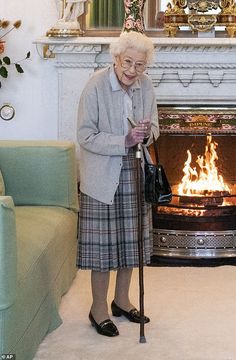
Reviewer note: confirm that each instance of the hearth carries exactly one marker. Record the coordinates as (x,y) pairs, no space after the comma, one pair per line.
(197,147)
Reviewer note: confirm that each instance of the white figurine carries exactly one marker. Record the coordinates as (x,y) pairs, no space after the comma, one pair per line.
(68,23)
(73,9)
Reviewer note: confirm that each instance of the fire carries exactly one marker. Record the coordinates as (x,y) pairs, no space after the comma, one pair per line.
(207,180)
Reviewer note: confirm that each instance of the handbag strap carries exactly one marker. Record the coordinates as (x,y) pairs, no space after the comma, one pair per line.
(156,150)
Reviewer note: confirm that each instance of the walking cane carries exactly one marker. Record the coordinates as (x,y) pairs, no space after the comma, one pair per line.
(142,338)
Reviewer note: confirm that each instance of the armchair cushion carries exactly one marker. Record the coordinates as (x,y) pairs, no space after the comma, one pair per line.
(45,253)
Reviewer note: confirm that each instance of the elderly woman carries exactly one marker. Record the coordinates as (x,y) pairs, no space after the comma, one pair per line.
(108,227)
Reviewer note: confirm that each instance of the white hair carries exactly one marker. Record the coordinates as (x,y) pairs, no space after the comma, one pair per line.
(133,40)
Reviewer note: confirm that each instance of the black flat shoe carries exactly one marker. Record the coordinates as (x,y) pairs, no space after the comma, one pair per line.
(132,315)
(106,327)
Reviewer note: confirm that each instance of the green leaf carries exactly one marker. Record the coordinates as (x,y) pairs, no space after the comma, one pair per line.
(19,68)
(6,60)
(0,62)
(3,72)
(28,55)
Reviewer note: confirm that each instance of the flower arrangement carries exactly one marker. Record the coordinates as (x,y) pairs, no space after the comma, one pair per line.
(5,61)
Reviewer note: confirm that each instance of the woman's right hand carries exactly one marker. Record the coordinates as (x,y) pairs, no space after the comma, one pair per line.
(135,136)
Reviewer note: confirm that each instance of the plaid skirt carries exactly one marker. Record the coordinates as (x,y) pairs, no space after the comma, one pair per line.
(108,234)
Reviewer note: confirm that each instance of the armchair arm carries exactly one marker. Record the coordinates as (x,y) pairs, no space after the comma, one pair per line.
(8,261)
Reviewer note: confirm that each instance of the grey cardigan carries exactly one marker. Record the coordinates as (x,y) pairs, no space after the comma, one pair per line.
(101,131)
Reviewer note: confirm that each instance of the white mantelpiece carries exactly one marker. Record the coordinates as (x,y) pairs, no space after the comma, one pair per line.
(185,71)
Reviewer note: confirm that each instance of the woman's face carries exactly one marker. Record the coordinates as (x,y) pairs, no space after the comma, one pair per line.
(129,66)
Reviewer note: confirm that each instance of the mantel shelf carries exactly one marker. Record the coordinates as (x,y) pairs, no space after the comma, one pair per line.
(168,41)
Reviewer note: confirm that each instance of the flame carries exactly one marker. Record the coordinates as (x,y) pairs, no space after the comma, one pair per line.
(205,181)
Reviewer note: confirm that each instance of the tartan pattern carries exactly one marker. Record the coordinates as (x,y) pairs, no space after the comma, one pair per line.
(108,234)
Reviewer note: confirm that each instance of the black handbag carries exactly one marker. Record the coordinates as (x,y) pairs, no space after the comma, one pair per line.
(157,189)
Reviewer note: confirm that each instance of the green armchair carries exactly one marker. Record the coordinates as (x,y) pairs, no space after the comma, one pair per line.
(38,240)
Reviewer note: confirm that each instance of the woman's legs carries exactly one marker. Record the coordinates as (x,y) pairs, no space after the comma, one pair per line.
(100,283)
(123,280)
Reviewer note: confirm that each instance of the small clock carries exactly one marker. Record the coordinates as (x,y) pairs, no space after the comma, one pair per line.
(7,112)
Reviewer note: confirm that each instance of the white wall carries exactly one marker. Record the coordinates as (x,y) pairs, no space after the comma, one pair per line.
(34,93)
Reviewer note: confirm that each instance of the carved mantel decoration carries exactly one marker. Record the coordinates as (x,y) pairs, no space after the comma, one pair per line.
(198,15)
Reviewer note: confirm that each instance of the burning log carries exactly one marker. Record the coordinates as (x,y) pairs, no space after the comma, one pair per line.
(205,198)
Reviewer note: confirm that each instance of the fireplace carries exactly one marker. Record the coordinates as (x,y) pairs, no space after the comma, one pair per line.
(197,142)
(191,71)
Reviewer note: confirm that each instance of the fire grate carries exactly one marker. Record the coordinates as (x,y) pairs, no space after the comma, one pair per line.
(190,244)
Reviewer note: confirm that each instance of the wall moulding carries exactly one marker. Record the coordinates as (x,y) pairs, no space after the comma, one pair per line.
(83,65)
(71,49)
(196,48)
(173,65)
